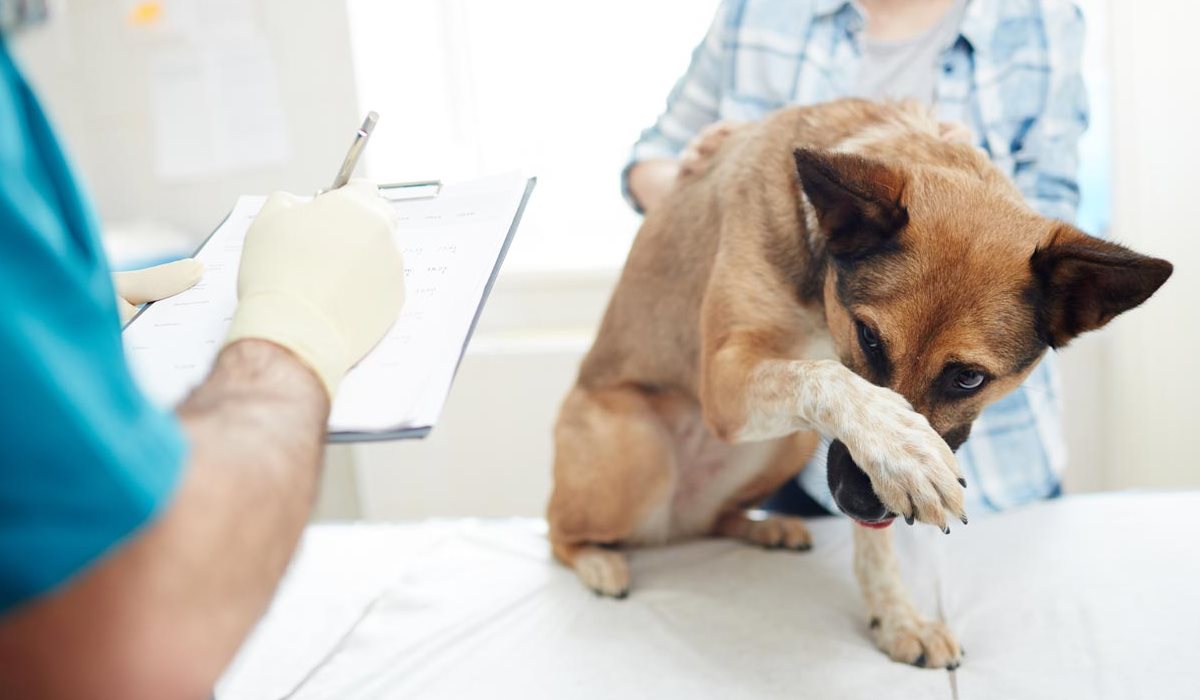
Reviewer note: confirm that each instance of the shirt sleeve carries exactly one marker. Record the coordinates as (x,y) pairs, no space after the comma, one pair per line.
(692,104)
(1047,167)
(85,460)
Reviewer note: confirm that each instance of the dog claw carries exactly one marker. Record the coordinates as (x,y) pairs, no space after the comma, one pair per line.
(963,518)
(963,482)
(909,519)
(945,529)
(919,662)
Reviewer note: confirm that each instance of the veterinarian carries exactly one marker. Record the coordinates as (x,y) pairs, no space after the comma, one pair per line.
(137,547)
(1008,72)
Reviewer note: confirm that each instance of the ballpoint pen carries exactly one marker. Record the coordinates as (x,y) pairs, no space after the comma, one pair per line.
(356,149)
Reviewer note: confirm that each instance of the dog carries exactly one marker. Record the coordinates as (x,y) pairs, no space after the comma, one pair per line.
(854,269)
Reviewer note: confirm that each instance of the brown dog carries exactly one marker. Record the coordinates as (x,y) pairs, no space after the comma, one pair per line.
(845,269)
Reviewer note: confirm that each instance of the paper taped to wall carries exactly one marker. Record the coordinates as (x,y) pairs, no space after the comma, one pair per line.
(453,247)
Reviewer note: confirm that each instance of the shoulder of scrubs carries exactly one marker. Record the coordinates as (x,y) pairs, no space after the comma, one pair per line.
(84,458)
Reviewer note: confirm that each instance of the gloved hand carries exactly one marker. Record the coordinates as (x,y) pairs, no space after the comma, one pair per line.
(322,278)
(138,287)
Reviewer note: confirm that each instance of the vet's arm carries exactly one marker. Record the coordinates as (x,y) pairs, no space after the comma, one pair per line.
(163,614)
(691,106)
(1047,166)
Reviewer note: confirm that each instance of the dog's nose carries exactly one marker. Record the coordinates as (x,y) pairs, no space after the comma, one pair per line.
(851,488)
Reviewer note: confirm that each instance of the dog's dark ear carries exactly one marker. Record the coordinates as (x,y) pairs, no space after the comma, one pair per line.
(1082,283)
(857,201)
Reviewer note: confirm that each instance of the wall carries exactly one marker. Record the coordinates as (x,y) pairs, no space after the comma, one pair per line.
(1151,437)
(92,68)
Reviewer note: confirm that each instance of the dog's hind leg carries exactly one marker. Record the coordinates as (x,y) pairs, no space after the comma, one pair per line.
(602,569)
(614,472)
(770,530)
(898,629)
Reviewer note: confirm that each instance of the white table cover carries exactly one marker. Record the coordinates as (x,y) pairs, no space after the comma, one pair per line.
(1083,597)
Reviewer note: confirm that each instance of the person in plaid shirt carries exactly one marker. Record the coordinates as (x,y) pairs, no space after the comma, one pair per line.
(1007,70)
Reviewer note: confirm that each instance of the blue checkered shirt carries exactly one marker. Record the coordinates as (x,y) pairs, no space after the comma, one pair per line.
(1012,75)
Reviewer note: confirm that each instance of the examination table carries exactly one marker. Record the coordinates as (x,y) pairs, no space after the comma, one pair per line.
(1082,597)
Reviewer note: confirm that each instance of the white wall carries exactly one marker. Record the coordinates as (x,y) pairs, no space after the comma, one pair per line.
(1152,433)
(92,68)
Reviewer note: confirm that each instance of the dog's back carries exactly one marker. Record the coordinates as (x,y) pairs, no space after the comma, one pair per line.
(650,334)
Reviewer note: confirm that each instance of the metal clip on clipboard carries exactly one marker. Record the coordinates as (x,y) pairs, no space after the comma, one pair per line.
(417,189)
(393,192)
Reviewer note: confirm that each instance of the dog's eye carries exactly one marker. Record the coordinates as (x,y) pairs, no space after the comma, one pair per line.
(868,336)
(969,380)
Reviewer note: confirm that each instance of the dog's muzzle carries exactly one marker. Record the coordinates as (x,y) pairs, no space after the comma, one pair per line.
(851,489)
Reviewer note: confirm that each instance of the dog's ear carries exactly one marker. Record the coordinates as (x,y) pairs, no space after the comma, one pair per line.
(1082,283)
(857,201)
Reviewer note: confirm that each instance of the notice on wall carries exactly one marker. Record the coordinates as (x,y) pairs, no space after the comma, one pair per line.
(215,108)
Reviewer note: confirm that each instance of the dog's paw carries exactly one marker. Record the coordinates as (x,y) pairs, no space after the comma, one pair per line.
(911,468)
(770,530)
(605,571)
(911,639)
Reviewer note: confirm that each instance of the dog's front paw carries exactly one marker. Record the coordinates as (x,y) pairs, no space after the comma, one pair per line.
(911,639)
(911,469)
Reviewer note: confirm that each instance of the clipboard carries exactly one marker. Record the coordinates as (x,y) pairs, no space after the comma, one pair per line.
(397,192)
(419,433)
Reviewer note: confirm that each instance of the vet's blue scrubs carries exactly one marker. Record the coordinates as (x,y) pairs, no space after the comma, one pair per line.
(85,460)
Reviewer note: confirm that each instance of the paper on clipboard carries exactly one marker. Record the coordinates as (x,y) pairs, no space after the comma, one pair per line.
(453,246)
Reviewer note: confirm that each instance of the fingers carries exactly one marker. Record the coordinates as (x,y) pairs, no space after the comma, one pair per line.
(126,310)
(278,201)
(138,287)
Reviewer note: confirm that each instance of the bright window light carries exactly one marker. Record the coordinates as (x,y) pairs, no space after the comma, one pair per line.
(556,89)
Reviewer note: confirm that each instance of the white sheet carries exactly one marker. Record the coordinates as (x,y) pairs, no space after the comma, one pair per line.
(1084,597)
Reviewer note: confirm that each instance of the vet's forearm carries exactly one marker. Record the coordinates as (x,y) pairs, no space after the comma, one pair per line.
(164,614)
(650,181)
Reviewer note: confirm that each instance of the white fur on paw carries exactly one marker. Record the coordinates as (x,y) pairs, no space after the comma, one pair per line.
(910,639)
(777,532)
(912,469)
(604,571)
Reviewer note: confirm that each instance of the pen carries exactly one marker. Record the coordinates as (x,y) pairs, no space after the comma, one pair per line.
(356,149)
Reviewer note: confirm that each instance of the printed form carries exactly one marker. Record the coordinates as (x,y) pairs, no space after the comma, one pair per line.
(453,246)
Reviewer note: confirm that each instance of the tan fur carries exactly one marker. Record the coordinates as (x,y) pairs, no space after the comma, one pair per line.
(725,349)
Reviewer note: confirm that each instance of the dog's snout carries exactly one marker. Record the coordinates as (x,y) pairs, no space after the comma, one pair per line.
(957,435)
(851,487)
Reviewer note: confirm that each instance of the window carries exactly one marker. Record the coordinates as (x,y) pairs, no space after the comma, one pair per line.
(557,89)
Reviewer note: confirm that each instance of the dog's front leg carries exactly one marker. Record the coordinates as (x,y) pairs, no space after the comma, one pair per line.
(913,472)
(896,626)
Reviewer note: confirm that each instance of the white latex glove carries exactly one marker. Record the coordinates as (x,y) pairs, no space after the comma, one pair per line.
(323,278)
(138,287)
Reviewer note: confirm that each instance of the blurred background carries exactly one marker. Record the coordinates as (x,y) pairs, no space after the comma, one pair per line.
(172,109)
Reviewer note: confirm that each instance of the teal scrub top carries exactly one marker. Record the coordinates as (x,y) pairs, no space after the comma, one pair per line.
(85,459)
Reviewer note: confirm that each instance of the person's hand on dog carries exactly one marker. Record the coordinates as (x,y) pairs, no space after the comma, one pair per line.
(697,156)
